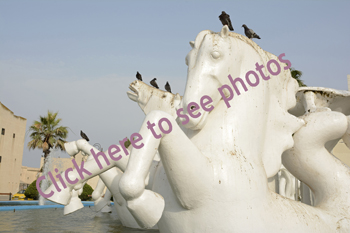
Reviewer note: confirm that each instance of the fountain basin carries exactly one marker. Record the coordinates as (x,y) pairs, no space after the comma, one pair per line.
(27,205)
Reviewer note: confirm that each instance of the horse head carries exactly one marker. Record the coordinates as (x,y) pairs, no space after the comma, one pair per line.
(257,113)
(150,98)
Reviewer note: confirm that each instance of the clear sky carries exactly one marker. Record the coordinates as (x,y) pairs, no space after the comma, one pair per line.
(79,57)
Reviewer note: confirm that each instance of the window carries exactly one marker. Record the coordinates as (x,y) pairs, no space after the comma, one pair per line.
(14,135)
(3,131)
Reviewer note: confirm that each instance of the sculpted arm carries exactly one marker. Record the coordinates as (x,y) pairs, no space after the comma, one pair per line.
(178,155)
(85,171)
(177,151)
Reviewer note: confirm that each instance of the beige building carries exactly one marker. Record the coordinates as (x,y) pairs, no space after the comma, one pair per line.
(27,176)
(12,135)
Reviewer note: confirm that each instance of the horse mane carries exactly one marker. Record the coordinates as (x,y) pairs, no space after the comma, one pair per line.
(266,56)
(282,91)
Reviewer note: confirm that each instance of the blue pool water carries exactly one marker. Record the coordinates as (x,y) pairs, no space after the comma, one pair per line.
(28,205)
(53,220)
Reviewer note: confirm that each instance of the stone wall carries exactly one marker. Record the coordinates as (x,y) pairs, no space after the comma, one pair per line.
(28,175)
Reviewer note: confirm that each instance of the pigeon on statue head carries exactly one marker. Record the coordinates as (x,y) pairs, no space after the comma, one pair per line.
(249,32)
(83,135)
(167,87)
(154,83)
(138,76)
(225,20)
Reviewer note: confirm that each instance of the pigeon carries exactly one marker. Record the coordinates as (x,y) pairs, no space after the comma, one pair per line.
(249,32)
(153,83)
(225,20)
(167,87)
(84,136)
(138,76)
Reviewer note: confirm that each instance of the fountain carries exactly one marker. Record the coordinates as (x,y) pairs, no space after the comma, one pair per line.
(45,183)
(213,170)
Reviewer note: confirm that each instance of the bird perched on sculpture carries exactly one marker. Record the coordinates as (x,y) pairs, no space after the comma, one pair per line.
(249,32)
(167,87)
(138,76)
(83,135)
(154,83)
(225,20)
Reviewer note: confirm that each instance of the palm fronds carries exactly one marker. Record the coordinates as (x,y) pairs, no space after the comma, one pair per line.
(47,133)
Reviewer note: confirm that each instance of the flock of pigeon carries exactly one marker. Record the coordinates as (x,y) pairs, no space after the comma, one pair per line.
(154,83)
(225,20)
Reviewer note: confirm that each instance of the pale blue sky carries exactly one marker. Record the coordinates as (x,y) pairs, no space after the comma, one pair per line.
(78,57)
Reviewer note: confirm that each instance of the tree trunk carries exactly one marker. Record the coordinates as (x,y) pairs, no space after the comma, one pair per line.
(46,153)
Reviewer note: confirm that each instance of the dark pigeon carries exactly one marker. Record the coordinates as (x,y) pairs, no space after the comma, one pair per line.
(225,20)
(84,136)
(249,32)
(153,83)
(138,76)
(167,87)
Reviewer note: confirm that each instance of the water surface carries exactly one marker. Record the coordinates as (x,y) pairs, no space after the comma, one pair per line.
(53,220)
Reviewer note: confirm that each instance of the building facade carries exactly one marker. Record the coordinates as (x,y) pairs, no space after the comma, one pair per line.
(27,176)
(12,134)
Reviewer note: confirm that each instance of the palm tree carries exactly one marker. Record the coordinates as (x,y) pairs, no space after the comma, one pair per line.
(47,134)
(296,74)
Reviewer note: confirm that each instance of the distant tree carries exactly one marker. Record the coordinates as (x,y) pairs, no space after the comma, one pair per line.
(31,191)
(47,134)
(127,143)
(296,74)
(87,191)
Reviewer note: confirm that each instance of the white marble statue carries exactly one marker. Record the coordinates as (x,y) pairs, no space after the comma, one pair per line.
(313,99)
(214,169)
(102,200)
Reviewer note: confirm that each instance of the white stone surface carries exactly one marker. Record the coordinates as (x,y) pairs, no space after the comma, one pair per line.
(287,184)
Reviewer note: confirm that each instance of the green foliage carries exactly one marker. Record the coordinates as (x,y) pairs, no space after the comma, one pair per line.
(127,143)
(87,190)
(47,133)
(296,74)
(31,191)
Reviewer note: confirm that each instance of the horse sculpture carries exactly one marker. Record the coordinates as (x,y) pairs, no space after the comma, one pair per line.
(213,171)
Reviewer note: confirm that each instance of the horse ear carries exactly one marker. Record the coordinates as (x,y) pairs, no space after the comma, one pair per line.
(224,31)
(192,44)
